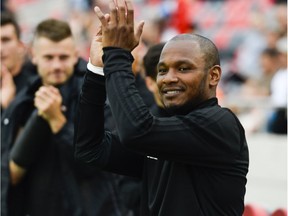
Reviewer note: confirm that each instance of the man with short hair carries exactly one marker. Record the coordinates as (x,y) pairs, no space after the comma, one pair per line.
(194,160)
(37,137)
(15,70)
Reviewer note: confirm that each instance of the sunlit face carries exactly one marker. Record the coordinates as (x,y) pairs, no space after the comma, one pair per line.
(182,78)
(11,47)
(55,60)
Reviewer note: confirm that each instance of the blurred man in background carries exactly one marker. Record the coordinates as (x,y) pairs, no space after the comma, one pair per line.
(15,70)
(37,136)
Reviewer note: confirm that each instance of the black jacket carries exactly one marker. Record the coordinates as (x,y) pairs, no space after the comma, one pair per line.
(54,183)
(191,163)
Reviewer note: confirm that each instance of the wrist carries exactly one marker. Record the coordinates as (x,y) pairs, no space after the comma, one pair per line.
(95,69)
(56,124)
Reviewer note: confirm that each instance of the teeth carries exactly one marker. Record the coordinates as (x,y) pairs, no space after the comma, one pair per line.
(172,92)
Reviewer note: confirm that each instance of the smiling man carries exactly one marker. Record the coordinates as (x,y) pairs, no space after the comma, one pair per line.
(193,161)
(189,75)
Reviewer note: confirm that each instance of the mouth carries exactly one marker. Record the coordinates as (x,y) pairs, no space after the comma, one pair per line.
(57,74)
(170,93)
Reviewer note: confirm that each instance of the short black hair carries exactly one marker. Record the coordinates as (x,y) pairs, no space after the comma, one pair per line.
(208,48)
(151,59)
(7,18)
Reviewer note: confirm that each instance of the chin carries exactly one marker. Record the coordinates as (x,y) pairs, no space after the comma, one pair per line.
(182,109)
(58,82)
(173,108)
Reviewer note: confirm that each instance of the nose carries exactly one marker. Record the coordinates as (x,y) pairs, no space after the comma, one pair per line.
(56,63)
(170,77)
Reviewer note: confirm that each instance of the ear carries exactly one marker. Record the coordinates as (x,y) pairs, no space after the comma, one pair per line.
(149,83)
(214,75)
(76,57)
(33,56)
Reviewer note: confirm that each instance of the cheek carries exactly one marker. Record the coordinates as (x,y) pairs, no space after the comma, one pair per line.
(69,67)
(159,80)
(41,71)
(10,48)
(43,67)
(69,63)
(194,87)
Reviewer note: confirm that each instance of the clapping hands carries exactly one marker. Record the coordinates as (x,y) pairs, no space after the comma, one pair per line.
(117,28)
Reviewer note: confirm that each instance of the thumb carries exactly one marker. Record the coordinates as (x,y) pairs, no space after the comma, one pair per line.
(139,30)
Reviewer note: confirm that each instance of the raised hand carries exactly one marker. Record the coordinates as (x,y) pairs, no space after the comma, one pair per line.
(118,30)
(96,51)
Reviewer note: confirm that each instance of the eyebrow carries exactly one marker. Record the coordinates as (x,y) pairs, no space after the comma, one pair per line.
(177,63)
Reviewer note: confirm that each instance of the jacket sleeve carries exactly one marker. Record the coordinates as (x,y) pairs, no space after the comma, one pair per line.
(30,143)
(92,144)
(206,136)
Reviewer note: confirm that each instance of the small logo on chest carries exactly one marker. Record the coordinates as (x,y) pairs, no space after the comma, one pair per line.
(153,158)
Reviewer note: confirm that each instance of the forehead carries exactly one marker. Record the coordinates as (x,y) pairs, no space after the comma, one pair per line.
(46,46)
(7,30)
(181,50)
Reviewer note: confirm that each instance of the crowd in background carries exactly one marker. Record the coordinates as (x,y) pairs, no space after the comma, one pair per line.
(251,37)
(246,33)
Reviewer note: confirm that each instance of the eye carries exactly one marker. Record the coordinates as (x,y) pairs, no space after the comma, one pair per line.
(183,69)
(48,57)
(64,57)
(162,71)
(6,39)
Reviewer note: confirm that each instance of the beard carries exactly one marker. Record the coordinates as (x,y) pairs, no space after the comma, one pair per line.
(191,104)
(187,107)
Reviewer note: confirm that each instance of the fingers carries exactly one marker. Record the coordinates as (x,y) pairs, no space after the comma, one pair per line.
(99,32)
(113,13)
(118,28)
(130,12)
(98,36)
(47,93)
(100,16)
(139,30)
(121,12)
(47,100)
(47,90)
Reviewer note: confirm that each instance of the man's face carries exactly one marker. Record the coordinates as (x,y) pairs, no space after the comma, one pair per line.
(182,78)
(11,47)
(54,60)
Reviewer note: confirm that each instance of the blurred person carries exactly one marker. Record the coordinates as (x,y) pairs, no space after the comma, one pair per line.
(37,137)
(138,54)
(150,62)
(249,51)
(194,161)
(253,102)
(265,30)
(278,120)
(258,91)
(15,70)
(269,62)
